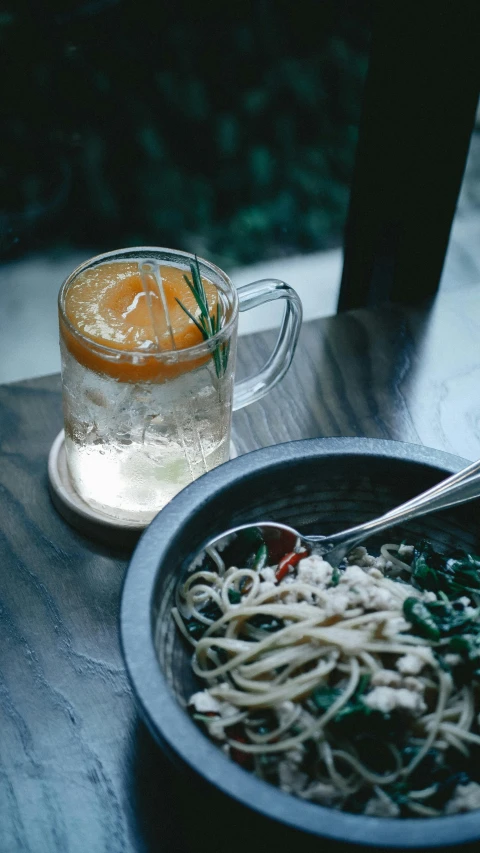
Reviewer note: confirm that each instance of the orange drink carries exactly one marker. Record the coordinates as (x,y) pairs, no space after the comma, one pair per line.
(109,306)
(148,375)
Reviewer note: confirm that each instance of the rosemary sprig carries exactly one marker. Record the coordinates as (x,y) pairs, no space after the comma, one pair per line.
(207,324)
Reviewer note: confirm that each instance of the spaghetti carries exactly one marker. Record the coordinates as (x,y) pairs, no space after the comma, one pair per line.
(355,688)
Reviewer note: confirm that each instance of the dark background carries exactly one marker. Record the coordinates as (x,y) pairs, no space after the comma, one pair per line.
(225,128)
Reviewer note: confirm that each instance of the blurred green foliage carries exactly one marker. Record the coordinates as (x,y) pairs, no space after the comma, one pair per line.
(223,128)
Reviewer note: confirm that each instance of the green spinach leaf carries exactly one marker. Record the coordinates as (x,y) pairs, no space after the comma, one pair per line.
(234,596)
(423,623)
(323,697)
(435,620)
(455,574)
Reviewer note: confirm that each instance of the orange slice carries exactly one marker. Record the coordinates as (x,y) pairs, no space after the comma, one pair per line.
(109,307)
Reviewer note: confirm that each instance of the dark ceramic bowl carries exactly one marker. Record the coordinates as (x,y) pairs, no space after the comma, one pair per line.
(319,485)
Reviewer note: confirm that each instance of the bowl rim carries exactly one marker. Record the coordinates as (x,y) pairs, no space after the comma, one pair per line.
(171,726)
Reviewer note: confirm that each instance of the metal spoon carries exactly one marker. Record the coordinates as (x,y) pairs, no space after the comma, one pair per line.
(457,489)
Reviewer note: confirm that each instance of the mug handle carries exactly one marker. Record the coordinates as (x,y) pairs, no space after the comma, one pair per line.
(250,296)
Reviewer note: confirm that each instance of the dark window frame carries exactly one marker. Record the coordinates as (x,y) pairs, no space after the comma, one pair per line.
(418,113)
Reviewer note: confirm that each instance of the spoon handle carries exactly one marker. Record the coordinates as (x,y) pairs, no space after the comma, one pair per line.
(459,488)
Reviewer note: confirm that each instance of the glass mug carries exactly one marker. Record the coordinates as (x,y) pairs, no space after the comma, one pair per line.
(143,420)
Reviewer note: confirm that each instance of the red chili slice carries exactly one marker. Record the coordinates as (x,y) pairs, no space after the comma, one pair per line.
(244,759)
(288,560)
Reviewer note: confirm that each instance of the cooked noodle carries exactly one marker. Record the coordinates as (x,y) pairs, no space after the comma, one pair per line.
(317,681)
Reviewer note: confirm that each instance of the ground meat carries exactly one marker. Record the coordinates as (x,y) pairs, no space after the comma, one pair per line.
(412,663)
(387,699)
(382,807)
(314,570)
(466,798)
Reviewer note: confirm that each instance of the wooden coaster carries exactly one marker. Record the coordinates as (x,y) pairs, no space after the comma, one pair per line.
(88,520)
